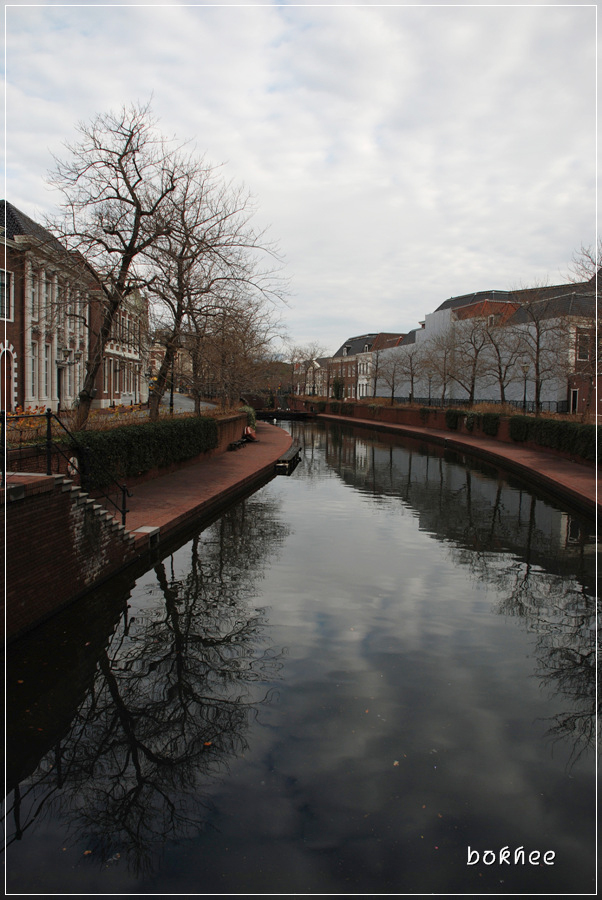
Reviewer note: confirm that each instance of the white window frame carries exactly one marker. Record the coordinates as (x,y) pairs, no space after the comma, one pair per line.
(47,367)
(34,369)
(11,296)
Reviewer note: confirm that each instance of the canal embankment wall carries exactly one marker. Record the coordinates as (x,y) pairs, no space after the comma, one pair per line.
(573,481)
(61,543)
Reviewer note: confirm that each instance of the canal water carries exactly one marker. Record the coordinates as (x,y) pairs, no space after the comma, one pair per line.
(374,676)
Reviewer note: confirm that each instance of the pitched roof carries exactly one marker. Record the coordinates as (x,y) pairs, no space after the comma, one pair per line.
(570,304)
(476,297)
(501,310)
(410,337)
(386,339)
(17,223)
(355,345)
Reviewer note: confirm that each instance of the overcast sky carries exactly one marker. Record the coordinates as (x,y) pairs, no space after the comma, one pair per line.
(400,154)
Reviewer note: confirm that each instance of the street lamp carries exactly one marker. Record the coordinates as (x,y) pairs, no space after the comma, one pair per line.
(525,368)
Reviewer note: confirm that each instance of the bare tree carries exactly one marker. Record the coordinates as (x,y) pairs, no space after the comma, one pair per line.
(116,184)
(375,361)
(392,371)
(500,357)
(439,354)
(302,358)
(411,357)
(586,263)
(208,268)
(543,329)
(470,339)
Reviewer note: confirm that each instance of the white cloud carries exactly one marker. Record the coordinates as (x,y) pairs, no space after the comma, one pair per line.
(401,154)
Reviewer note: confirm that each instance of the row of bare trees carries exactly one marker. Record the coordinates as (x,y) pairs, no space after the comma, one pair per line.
(482,355)
(146,214)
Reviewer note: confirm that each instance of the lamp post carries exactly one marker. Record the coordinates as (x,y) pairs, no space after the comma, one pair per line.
(430,380)
(525,368)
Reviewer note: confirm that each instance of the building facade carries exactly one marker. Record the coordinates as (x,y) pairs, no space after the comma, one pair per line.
(45,310)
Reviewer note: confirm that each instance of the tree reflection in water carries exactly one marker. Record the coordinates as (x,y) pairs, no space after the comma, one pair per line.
(505,537)
(173,695)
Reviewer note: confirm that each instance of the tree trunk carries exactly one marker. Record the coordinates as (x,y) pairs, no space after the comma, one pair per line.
(86,395)
(154,401)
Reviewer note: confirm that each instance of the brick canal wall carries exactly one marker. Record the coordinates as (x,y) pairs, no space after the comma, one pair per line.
(62,542)
(59,544)
(431,419)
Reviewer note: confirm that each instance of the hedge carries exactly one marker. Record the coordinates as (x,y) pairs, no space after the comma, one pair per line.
(570,437)
(451,418)
(132,449)
(490,423)
(250,414)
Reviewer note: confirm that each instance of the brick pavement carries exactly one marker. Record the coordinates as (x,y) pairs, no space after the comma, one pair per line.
(171,501)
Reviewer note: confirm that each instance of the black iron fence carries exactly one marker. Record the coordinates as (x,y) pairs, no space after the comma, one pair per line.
(46,433)
(554,406)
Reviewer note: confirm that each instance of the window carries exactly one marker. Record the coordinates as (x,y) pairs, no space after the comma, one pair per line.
(34,369)
(33,295)
(6,286)
(583,346)
(47,349)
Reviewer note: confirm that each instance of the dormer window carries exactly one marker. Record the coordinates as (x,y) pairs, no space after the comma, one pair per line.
(366,348)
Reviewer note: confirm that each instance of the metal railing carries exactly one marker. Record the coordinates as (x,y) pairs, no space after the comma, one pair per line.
(556,406)
(76,464)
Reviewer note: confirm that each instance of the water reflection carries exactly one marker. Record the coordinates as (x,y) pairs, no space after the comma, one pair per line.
(539,558)
(170,704)
(410,712)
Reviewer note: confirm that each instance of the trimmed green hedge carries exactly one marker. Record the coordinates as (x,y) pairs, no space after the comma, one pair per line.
(570,437)
(490,423)
(347,409)
(451,418)
(321,406)
(132,449)
(335,408)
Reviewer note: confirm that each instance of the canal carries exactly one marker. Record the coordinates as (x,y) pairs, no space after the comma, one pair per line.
(373,676)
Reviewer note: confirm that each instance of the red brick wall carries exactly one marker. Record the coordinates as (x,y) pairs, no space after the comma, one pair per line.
(77,548)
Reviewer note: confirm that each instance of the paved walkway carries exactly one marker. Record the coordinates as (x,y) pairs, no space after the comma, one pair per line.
(575,482)
(166,504)
(171,501)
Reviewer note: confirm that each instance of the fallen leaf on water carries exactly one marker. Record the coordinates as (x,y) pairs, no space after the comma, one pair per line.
(87,852)
(208,743)
(396,762)
(20,681)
